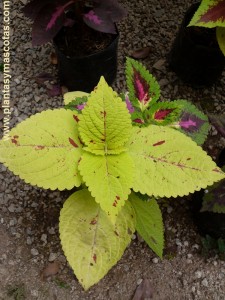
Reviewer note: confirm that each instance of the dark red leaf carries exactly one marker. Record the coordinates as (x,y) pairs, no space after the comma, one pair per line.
(215,13)
(161,114)
(47,24)
(141,87)
(103,16)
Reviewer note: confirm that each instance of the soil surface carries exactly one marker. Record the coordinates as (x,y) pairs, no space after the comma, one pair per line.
(29,239)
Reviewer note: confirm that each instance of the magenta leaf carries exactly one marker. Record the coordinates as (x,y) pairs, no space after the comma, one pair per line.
(81,106)
(161,114)
(100,21)
(138,121)
(190,122)
(104,15)
(57,13)
(92,17)
(141,88)
(77,104)
(40,33)
(215,12)
(129,105)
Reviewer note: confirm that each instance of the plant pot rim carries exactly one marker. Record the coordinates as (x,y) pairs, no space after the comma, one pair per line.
(115,39)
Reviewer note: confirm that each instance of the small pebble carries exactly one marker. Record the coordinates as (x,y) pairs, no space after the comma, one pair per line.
(198,274)
(52,257)
(205,282)
(155,260)
(34,252)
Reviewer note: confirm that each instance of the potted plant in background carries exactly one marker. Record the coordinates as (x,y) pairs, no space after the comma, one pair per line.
(209,204)
(197,54)
(85,38)
(121,167)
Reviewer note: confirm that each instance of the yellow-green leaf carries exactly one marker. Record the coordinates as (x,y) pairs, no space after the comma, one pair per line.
(105,123)
(44,150)
(91,243)
(220,34)
(70,96)
(169,164)
(109,179)
(149,223)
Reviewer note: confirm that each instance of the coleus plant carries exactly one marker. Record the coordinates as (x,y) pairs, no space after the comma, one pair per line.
(121,171)
(214,196)
(49,16)
(210,14)
(142,100)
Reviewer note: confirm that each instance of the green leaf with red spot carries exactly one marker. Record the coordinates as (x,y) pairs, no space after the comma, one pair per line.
(105,123)
(42,153)
(191,121)
(109,179)
(210,13)
(143,89)
(149,222)
(91,243)
(168,163)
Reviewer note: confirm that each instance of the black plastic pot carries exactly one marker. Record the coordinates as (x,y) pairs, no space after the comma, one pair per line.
(208,223)
(83,73)
(195,55)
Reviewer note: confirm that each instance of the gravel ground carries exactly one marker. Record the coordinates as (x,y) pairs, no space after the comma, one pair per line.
(29,215)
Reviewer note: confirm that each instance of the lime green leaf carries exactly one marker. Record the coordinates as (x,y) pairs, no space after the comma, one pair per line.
(220,34)
(105,123)
(44,150)
(91,243)
(210,13)
(169,164)
(149,222)
(109,179)
(143,88)
(71,96)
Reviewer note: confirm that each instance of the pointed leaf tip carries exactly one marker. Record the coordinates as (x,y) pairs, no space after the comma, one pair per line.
(105,123)
(91,243)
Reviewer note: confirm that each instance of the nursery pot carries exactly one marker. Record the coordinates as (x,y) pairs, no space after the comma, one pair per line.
(195,55)
(208,223)
(82,73)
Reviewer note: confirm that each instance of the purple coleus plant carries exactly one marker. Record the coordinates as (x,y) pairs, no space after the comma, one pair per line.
(214,196)
(49,16)
(143,103)
(142,100)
